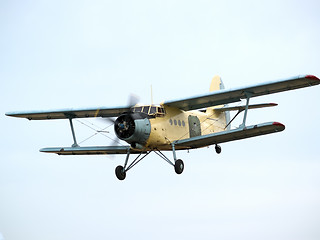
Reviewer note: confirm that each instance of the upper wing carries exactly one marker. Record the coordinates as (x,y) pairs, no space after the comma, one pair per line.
(211,99)
(234,95)
(70,113)
(230,135)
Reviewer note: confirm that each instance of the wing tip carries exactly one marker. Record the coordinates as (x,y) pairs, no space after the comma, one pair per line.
(10,114)
(312,77)
(279,125)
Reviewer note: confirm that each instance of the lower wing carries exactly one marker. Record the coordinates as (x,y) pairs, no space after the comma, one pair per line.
(230,135)
(194,142)
(98,150)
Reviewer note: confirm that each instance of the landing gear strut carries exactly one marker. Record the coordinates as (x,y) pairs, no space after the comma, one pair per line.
(122,170)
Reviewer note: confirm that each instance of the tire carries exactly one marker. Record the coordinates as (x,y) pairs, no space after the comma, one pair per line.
(121,175)
(218,149)
(179,166)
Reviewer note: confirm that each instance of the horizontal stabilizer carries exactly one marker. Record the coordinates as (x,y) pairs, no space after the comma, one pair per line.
(98,150)
(243,107)
(230,135)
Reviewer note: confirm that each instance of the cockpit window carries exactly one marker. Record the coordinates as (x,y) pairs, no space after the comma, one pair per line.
(137,109)
(151,111)
(160,110)
(146,109)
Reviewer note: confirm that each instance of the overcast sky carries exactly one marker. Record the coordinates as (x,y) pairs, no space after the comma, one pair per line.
(62,54)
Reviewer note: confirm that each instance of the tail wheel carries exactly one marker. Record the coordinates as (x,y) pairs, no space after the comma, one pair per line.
(218,149)
(120,173)
(179,166)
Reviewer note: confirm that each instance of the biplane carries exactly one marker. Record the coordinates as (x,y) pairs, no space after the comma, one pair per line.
(182,124)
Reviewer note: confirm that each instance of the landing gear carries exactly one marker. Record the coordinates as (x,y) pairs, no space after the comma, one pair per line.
(218,149)
(179,166)
(120,173)
(178,163)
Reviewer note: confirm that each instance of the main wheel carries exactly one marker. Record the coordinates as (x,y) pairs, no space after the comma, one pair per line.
(120,173)
(179,166)
(218,149)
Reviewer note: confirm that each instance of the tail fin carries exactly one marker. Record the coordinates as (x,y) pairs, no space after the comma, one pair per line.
(216,84)
(222,117)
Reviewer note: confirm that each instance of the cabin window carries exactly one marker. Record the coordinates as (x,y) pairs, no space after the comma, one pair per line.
(175,122)
(170,121)
(179,123)
(183,123)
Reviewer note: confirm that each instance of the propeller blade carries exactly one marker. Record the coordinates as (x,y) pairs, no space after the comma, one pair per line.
(133,100)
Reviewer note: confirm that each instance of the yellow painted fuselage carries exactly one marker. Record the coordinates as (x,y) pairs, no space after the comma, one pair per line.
(177,124)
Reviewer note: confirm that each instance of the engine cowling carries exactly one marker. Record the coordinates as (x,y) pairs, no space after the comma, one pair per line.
(133,128)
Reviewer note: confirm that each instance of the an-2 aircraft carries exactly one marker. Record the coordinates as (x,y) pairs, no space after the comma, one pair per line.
(182,124)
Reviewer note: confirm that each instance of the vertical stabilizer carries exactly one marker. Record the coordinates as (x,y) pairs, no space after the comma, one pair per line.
(216,84)
(222,117)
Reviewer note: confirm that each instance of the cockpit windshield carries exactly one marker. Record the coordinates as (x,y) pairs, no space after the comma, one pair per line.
(150,110)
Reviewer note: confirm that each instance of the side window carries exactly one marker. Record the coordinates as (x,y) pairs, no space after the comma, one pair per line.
(160,111)
(177,122)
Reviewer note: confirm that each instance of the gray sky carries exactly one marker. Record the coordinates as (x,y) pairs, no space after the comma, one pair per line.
(61,54)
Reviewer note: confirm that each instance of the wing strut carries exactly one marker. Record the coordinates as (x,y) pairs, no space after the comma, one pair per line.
(75,144)
(239,111)
(248,95)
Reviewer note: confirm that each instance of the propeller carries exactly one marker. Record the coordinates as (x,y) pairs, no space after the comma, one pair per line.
(124,124)
(133,100)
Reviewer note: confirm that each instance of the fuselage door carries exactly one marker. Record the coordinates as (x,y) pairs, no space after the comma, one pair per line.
(194,126)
